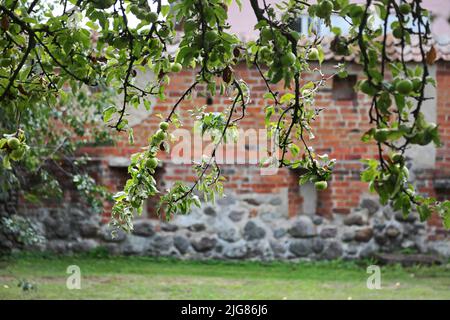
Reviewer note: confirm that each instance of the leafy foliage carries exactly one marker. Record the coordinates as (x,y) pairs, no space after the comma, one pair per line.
(48,59)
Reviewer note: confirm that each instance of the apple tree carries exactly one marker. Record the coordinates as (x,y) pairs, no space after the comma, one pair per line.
(49,57)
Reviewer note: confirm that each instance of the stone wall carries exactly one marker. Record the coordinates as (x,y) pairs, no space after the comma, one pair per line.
(245,227)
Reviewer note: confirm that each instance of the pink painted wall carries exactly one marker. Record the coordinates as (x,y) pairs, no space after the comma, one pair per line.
(242,21)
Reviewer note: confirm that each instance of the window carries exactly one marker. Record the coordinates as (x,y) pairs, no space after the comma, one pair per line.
(304,22)
(344,88)
(119,175)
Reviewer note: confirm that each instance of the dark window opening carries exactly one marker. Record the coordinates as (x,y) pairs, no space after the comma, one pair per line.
(119,176)
(344,88)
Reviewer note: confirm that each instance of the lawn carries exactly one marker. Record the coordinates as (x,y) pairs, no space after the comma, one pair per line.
(150,278)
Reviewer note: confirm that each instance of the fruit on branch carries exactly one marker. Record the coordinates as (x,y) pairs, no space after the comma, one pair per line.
(339,46)
(6,62)
(356,12)
(313,54)
(405,8)
(164,32)
(211,36)
(288,59)
(321,185)
(102,4)
(417,84)
(176,67)
(398,158)
(164,126)
(404,86)
(324,9)
(152,17)
(398,32)
(336,5)
(265,53)
(17,154)
(266,35)
(368,88)
(381,135)
(13,143)
(151,163)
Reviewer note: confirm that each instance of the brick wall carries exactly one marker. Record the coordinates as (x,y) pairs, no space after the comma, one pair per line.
(338,130)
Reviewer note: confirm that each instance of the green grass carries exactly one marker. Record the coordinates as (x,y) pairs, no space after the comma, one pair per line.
(150,278)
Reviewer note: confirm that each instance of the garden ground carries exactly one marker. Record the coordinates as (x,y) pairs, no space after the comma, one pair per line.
(105,277)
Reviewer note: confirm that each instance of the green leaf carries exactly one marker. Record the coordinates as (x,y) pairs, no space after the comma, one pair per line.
(108,112)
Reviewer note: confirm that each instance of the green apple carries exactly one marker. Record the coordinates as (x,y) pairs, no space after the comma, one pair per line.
(404,86)
(321,185)
(13,143)
(176,67)
(313,54)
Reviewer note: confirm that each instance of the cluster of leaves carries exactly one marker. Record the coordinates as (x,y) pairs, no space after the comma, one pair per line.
(46,53)
(20,229)
(47,111)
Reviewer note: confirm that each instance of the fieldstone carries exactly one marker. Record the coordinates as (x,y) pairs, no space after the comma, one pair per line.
(328,232)
(110,235)
(388,212)
(236,216)
(197,227)
(257,249)
(229,235)
(252,201)
(84,245)
(57,246)
(317,220)
(135,245)
(408,244)
(253,232)
(89,229)
(303,228)
(204,244)
(226,201)
(161,243)
(368,250)
(442,248)
(181,243)
(57,227)
(143,228)
(279,233)
(169,227)
(363,235)
(378,224)
(238,251)
(301,247)
(348,236)
(351,250)
(277,248)
(380,239)
(392,231)
(318,245)
(276,201)
(411,217)
(332,251)
(370,205)
(218,248)
(209,211)
(355,218)
(269,216)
